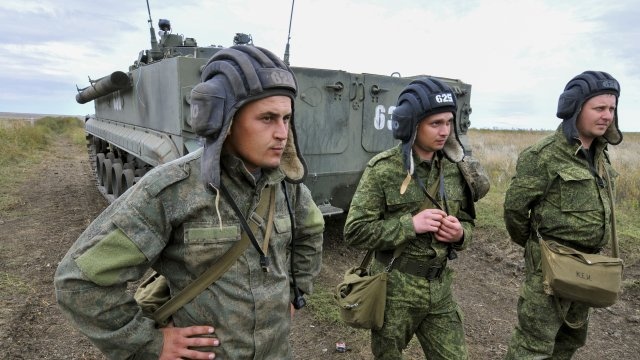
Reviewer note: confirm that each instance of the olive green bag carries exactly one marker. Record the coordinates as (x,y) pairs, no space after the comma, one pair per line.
(152,293)
(592,279)
(361,296)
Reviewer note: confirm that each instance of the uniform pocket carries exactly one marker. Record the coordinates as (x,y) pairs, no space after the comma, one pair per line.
(578,190)
(206,243)
(282,225)
(281,235)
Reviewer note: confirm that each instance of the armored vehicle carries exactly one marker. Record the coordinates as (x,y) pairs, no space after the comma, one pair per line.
(142,115)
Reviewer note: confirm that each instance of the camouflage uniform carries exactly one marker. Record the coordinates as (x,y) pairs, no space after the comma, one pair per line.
(554,191)
(380,218)
(169,222)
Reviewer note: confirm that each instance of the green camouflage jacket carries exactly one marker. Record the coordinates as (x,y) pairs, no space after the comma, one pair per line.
(380,217)
(169,222)
(575,209)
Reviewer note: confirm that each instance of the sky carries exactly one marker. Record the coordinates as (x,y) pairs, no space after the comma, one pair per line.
(517,55)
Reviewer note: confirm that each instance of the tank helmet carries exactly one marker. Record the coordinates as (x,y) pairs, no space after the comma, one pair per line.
(421,98)
(232,78)
(580,89)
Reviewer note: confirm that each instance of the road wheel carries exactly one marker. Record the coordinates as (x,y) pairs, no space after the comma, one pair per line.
(128,178)
(116,179)
(99,164)
(106,176)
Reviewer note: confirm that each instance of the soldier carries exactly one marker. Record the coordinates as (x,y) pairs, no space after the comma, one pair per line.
(560,192)
(416,198)
(178,221)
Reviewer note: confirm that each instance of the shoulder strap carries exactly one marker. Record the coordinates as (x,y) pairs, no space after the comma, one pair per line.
(615,250)
(221,266)
(438,184)
(563,315)
(369,255)
(264,259)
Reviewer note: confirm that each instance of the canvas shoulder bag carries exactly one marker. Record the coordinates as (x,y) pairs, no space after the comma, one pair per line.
(361,296)
(591,279)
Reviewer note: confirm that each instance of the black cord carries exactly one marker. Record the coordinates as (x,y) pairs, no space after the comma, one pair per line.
(298,300)
(264,259)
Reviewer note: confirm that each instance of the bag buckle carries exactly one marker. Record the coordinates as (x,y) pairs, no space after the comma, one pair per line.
(388,268)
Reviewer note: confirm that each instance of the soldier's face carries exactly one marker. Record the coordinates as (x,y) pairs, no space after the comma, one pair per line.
(432,133)
(259,132)
(595,117)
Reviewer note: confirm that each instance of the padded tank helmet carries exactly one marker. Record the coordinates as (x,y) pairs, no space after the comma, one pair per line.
(580,89)
(232,78)
(421,98)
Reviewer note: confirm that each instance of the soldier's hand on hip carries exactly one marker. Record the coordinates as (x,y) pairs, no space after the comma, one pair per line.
(177,341)
(428,220)
(450,230)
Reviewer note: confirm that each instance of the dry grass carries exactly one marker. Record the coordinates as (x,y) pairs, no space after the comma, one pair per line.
(624,158)
(498,151)
(23,143)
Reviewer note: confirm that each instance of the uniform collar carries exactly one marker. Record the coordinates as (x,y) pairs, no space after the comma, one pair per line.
(234,167)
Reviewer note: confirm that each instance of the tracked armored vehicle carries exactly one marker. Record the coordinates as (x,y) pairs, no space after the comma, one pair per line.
(142,115)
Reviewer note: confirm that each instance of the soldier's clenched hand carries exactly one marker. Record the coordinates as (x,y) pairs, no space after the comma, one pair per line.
(428,220)
(450,230)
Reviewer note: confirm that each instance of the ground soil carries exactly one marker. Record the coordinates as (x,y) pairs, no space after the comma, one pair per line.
(59,199)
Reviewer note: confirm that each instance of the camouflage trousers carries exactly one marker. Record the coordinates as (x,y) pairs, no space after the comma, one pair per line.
(424,308)
(541,333)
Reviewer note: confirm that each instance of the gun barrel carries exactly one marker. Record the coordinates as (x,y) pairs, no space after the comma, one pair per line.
(118,80)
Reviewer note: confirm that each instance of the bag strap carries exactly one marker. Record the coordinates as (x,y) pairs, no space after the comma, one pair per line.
(369,255)
(615,250)
(451,252)
(574,325)
(221,266)
(264,259)
(432,188)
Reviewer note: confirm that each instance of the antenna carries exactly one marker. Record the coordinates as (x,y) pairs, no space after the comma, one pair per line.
(286,50)
(154,40)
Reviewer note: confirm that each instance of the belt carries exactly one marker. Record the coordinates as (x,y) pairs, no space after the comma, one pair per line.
(430,270)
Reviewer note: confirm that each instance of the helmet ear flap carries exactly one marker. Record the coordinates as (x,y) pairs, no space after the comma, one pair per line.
(567,104)
(207,108)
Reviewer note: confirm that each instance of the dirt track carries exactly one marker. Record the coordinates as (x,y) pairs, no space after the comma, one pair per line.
(60,199)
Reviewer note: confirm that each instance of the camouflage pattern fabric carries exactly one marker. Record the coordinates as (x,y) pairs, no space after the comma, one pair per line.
(424,308)
(380,218)
(572,212)
(541,333)
(169,222)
